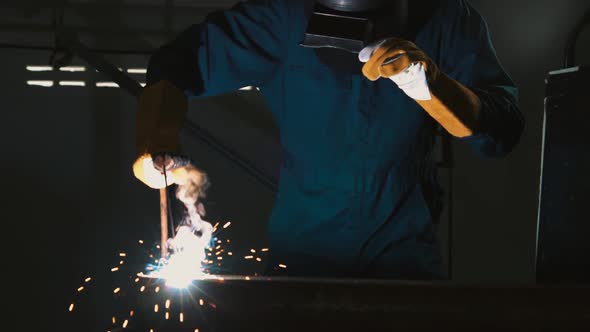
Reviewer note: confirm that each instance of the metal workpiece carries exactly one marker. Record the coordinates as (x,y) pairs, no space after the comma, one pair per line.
(238,303)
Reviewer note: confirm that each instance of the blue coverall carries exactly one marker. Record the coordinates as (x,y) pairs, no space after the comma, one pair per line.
(357,194)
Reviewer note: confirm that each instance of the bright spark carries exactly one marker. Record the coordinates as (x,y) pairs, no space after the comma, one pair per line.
(156,307)
(114,320)
(283,266)
(121,262)
(140,241)
(131,313)
(201,302)
(125,323)
(116,268)
(259,259)
(253,251)
(264,249)
(157,289)
(167,315)
(247,278)
(230,253)
(71,308)
(142,288)
(137,279)
(168,304)
(116,290)
(227,224)
(248,257)
(87,279)
(122,254)
(181,318)
(81,288)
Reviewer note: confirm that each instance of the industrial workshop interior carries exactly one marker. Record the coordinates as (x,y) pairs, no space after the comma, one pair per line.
(171,166)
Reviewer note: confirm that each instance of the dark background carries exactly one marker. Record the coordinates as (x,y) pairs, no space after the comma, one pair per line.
(71,201)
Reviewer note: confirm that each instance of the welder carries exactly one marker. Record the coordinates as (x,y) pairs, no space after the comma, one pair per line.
(358,195)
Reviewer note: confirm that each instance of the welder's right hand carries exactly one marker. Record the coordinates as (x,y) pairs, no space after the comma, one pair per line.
(161,114)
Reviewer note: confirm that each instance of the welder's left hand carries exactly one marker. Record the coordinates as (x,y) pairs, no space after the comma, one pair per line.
(454,106)
(402,62)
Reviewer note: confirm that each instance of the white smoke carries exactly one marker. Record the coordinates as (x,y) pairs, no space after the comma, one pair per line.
(194,235)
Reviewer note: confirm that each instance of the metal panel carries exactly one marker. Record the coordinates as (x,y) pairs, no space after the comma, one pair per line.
(563,221)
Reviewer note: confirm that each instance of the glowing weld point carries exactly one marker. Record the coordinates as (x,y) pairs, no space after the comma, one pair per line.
(219,258)
(137,279)
(248,257)
(87,279)
(252,251)
(157,289)
(121,262)
(81,288)
(218,253)
(122,254)
(227,224)
(264,249)
(158,246)
(230,253)
(156,307)
(167,315)
(71,308)
(140,241)
(218,247)
(114,320)
(201,302)
(125,323)
(181,318)
(116,290)
(168,304)
(142,288)
(116,268)
(283,266)
(259,259)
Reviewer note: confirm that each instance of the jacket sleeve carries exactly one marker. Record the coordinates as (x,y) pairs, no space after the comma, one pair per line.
(231,49)
(471,59)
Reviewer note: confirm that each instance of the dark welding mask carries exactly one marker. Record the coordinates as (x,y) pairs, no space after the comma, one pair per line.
(353,24)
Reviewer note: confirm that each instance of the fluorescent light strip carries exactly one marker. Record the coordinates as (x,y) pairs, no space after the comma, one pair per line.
(72,83)
(73,69)
(137,71)
(46,84)
(107,85)
(39,68)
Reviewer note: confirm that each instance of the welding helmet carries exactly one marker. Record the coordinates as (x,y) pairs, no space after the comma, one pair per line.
(354,5)
(353,24)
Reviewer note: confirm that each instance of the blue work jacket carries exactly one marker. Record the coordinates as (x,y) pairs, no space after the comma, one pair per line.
(357,195)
